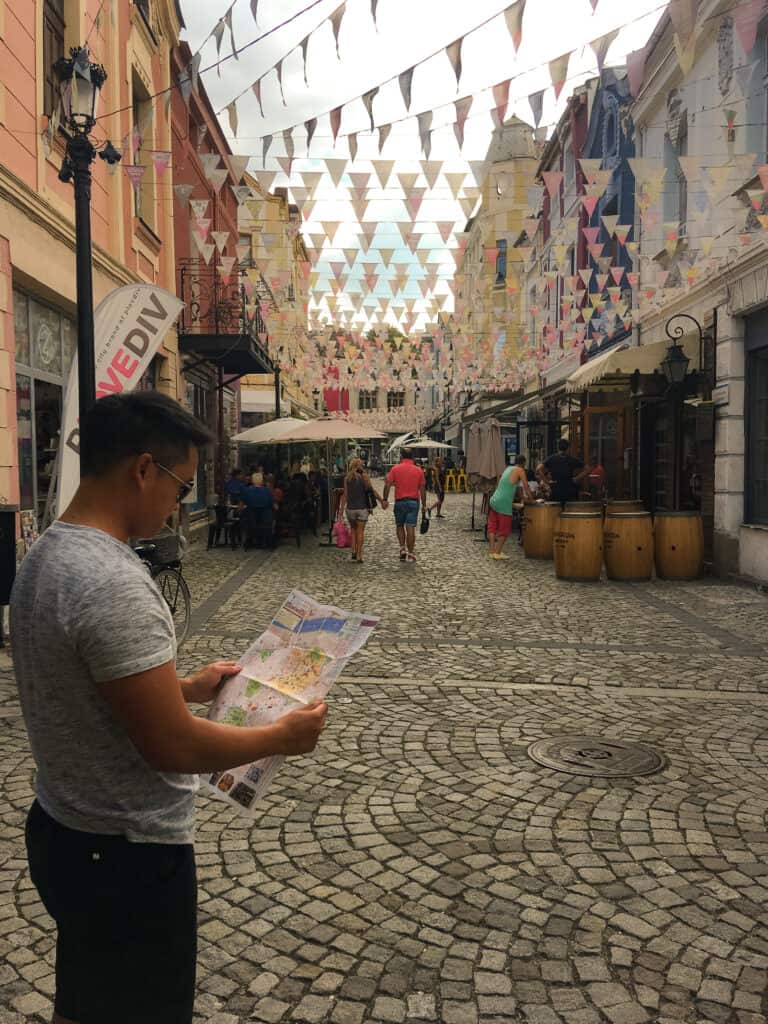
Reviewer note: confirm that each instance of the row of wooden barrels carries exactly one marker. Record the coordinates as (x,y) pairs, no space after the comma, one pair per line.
(582,535)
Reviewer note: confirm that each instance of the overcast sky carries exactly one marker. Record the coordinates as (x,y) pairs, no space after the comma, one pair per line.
(408,32)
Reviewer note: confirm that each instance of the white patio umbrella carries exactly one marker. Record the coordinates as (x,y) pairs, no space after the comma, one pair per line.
(268,433)
(426,442)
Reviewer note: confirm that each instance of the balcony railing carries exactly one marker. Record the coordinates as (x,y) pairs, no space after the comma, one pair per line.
(213,305)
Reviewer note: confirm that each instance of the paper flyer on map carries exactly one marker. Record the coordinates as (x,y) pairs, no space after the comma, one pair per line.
(295,661)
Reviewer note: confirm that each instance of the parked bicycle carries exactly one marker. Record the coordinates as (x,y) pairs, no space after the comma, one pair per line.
(162,556)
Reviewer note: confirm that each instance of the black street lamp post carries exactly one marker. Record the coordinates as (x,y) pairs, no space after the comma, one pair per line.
(80,83)
(675,367)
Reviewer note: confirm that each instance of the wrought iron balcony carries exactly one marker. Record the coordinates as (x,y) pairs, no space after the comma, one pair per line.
(220,321)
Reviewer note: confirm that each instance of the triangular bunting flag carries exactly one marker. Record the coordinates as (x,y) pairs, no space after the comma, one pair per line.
(552,181)
(257,93)
(368,99)
(601,45)
(462,108)
(558,72)
(501,100)
(335,20)
(336,170)
(453,53)
(431,171)
(536,101)
(425,134)
(514,18)
(335,119)
(405,81)
(455,181)
(220,238)
(383,169)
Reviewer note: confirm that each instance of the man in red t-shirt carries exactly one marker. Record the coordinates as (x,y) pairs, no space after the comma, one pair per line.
(410,486)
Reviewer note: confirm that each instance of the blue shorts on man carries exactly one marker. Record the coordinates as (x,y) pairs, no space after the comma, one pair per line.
(406,512)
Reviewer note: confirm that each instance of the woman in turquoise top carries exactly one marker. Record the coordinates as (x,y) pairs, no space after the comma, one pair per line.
(502,505)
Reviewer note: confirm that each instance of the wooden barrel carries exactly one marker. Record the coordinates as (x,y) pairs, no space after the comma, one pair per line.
(583,506)
(539,522)
(628,542)
(679,542)
(624,506)
(578,546)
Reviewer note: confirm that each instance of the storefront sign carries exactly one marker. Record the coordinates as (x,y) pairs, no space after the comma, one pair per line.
(129,326)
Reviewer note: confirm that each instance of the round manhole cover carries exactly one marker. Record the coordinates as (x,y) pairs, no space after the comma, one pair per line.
(595,755)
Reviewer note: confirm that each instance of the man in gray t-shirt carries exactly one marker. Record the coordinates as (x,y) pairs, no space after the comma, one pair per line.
(109,837)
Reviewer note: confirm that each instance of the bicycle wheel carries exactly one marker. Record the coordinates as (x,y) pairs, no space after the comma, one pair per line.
(175,591)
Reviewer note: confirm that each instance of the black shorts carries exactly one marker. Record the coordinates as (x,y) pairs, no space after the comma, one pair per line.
(126,916)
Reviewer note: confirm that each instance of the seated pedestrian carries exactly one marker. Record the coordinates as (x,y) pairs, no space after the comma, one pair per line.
(259,517)
(235,486)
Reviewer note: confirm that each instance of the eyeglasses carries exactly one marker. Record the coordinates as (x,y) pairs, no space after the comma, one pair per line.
(185,487)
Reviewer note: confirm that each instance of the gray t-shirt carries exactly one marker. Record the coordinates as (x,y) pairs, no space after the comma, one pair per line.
(84,610)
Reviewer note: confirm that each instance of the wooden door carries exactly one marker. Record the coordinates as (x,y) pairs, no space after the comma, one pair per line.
(603,441)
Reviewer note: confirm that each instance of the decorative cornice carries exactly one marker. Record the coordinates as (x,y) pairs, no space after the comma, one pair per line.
(45,215)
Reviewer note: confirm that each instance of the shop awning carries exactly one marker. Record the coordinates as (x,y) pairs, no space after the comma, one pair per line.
(236,354)
(623,360)
(262,400)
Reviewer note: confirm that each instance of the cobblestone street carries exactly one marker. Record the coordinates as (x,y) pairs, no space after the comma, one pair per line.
(421,867)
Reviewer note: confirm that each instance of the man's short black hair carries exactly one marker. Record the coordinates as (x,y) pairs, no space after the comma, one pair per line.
(119,426)
(563,444)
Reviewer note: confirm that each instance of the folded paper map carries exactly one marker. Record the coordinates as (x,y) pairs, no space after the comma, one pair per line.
(295,661)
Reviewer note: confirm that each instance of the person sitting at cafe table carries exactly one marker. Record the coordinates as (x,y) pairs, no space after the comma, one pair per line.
(259,515)
(235,486)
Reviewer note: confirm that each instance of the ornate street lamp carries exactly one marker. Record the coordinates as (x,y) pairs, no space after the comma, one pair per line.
(80,83)
(675,362)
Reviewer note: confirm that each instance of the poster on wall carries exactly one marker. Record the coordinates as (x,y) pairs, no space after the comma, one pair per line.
(129,327)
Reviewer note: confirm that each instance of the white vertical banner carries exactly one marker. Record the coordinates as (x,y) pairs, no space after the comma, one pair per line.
(129,327)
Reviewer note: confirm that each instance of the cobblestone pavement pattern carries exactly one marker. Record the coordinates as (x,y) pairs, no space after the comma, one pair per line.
(420,867)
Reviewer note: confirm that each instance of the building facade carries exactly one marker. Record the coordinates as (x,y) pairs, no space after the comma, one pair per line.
(132,229)
(217,340)
(701,128)
(279,273)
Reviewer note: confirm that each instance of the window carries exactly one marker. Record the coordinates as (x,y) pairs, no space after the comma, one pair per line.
(676,185)
(756,468)
(368,399)
(395,400)
(569,175)
(501,261)
(144,195)
(44,343)
(682,181)
(53,48)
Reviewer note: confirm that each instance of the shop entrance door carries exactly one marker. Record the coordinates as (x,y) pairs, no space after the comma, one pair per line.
(603,442)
